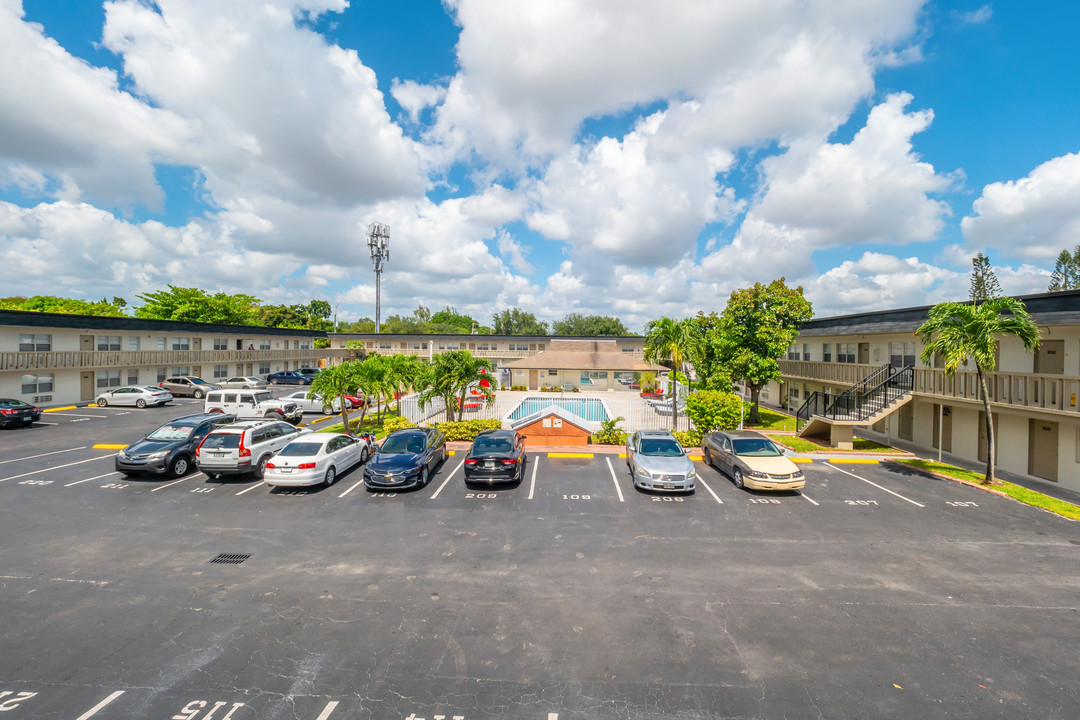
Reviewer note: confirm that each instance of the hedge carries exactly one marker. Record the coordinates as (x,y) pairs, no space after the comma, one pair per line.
(467,429)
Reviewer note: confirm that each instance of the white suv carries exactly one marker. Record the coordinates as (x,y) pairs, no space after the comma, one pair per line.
(243,447)
(252,405)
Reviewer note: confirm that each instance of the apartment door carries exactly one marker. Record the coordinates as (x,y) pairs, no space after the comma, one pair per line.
(906,431)
(864,353)
(196,343)
(534,379)
(1043,449)
(86,343)
(86,386)
(942,428)
(1050,357)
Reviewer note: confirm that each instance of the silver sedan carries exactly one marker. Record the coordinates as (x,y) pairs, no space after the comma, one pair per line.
(658,462)
(244,383)
(136,395)
(316,403)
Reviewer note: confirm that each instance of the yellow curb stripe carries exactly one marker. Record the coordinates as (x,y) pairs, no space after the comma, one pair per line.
(696,457)
(569,455)
(451,452)
(109,446)
(322,419)
(801,460)
(856,461)
(622,455)
(69,407)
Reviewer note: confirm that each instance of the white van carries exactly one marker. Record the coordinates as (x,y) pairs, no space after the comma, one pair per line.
(252,405)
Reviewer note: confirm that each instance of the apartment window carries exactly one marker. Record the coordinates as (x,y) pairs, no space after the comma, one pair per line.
(482,346)
(305,345)
(221,343)
(132,377)
(519,346)
(161,375)
(133,343)
(806,351)
(793,393)
(264,368)
(845,352)
(35,343)
(32,384)
(264,344)
(449,346)
(108,378)
(901,354)
(181,343)
(414,346)
(159,343)
(384,345)
(221,371)
(826,352)
(793,353)
(627,348)
(180,371)
(107,343)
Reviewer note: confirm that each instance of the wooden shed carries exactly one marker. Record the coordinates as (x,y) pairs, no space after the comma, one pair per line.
(553,426)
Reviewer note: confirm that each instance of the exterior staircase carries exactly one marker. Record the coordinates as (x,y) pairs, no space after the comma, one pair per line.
(873,398)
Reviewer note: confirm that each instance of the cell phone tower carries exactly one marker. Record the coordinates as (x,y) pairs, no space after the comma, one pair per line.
(379,243)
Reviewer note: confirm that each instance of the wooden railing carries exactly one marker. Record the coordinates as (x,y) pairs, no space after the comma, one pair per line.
(93,359)
(349,353)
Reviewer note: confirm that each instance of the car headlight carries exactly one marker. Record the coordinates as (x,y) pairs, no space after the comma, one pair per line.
(692,473)
(797,474)
(157,455)
(756,473)
(643,473)
(122,455)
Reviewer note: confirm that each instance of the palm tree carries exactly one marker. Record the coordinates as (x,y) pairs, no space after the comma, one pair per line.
(956,331)
(672,342)
(335,382)
(452,373)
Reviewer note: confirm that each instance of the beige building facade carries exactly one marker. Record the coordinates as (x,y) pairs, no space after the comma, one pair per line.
(51,359)
(1034,396)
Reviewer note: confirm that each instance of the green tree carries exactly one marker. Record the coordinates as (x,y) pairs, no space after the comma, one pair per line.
(514,321)
(711,410)
(450,320)
(1066,275)
(334,383)
(672,342)
(956,331)
(756,329)
(984,283)
(589,325)
(707,362)
(66,306)
(195,305)
(452,374)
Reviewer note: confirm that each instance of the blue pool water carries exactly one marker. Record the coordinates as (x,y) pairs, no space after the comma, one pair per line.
(591,409)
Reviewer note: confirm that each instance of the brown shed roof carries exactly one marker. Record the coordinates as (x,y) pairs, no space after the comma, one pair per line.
(583,355)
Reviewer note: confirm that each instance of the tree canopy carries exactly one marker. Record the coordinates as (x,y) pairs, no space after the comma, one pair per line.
(514,321)
(67,306)
(672,342)
(589,325)
(195,305)
(984,283)
(1066,275)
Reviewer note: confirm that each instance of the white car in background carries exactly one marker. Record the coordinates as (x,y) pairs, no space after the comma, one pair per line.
(244,383)
(316,403)
(314,458)
(136,395)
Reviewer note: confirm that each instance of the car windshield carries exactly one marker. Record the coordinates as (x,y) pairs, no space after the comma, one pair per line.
(295,449)
(222,441)
(401,444)
(486,445)
(12,403)
(756,447)
(661,448)
(263,397)
(199,381)
(171,432)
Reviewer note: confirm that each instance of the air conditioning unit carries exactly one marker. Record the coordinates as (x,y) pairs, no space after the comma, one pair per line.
(42,398)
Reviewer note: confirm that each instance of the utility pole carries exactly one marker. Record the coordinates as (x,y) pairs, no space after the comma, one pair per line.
(379,244)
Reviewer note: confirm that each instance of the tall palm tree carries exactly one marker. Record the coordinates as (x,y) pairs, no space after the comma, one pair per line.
(672,342)
(452,374)
(335,382)
(956,331)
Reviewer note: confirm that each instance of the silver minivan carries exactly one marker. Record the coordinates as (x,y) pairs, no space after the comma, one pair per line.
(244,447)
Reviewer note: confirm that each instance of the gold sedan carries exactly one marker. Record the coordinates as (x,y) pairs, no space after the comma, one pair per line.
(752,461)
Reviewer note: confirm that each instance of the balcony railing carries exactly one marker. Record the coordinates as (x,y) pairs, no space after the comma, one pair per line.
(95,359)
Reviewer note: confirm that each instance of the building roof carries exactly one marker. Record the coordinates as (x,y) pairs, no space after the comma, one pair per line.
(555,411)
(466,337)
(22,318)
(582,355)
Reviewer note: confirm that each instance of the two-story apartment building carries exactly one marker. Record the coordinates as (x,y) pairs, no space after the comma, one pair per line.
(50,358)
(1033,395)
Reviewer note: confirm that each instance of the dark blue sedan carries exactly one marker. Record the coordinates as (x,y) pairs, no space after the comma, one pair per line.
(405,460)
(288,377)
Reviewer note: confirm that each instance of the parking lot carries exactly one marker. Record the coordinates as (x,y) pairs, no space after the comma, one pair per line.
(875,592)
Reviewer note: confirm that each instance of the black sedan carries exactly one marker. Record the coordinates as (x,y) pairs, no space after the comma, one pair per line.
(288,377)
(16,413)
(405,460)
(495,456)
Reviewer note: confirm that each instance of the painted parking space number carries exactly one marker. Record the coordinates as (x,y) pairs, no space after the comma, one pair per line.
(770,501)
(414,716)
(667,499)
(115,486)
(861,502)
(202,490)
(961,503)
(9,699)
(192,709)
(35,482)
(480,496)
(577,497)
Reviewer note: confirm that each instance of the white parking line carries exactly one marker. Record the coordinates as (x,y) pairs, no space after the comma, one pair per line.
(56,467)
(327,710)
(706,486)
(358,484)
(99,417)
(55,452)
(93,711)
(878,486)
(532,483)
(807,497)
(252,488)
(448,479)
(615,480)
(176,482)
(96,477)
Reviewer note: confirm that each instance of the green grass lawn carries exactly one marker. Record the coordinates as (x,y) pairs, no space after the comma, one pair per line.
(799,444)
(772,420)
(1018,492)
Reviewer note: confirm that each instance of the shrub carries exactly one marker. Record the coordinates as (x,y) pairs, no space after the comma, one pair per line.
(467,429)
(610,433)
(688,438)
(550,388)
(711,410)
(519,387)
(391,424)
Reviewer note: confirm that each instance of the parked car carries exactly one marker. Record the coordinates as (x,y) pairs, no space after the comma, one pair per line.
(309,372)
(244,447)
(243,383)
(495,456)
(314,458)
(136,395)
(316,403)
(188,386)
(170,449)
(252,405)
(357,401)
(15,413)
(752,460)
(658,462)
(405,459)
(288,377)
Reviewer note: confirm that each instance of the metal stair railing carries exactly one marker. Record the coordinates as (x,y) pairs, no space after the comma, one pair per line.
(859,406)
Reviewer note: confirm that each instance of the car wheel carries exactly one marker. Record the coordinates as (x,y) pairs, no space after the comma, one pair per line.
(363,456)
(424,477)
(260,469)
(140,403)
(247,387)
(180,466)
(328,410)
(708,457)
(330,477)
(736,476)
(197,394)
(102,402)
(217,411)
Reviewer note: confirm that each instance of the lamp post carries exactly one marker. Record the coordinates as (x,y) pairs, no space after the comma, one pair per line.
(379,244)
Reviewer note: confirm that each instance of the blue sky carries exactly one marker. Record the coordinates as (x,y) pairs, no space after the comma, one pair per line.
(633,159)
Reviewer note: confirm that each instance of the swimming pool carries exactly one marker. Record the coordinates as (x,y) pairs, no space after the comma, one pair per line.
(587,408)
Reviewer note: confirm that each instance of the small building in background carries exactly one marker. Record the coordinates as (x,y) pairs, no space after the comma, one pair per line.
(553,426)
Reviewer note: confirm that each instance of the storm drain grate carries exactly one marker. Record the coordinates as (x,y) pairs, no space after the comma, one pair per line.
(230,558)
